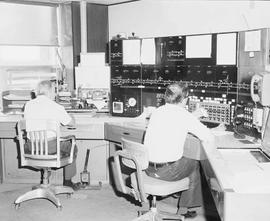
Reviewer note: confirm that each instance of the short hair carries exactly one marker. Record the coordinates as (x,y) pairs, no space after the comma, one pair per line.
(44,87)
(175,93)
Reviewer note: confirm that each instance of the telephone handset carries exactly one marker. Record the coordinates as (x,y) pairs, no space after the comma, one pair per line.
(255,79)
(262,94)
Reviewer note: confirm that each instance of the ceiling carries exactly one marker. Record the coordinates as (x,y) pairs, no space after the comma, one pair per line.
(101,2)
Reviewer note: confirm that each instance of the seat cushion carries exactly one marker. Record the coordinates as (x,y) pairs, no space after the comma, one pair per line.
(65,147)
(157,187)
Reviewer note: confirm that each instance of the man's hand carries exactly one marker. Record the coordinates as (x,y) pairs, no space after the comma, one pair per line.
(72,123)
(200,112)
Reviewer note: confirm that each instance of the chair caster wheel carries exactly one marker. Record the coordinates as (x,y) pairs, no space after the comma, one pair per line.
(140,213)
(69,195)
(59,208)
(17,206)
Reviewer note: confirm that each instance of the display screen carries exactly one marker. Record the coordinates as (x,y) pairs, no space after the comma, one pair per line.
(199,46)
(226,49)
(117,107)
(148,51)
(132,52)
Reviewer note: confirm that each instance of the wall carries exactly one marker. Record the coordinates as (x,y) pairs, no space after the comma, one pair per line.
(97,29)
(156,18)
(3,84)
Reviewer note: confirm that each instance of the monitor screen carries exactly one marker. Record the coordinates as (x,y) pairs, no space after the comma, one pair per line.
(226,49)
(132,52)
(148,51)
(198,46)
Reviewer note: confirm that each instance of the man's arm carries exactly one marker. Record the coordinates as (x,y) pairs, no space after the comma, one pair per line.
(199,129)
(72,121)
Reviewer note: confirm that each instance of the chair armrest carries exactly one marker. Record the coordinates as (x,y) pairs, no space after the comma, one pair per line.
(66,138)
(71,138)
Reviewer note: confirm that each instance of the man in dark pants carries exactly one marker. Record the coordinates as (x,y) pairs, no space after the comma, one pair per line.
(165,138)
(44,107)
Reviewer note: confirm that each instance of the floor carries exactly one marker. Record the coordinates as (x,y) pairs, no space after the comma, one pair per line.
(96,205)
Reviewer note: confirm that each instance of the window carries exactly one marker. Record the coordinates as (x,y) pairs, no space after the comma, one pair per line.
(28,55)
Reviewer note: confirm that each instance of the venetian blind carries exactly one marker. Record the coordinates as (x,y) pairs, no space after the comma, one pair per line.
(26,24)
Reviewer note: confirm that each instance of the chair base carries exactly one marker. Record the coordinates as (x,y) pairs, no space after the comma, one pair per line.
(155,215)
(44,191)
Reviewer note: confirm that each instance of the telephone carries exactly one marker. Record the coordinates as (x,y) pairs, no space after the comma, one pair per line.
(257,117)
(261,93)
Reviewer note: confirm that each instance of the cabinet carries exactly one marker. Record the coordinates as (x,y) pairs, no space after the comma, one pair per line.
(14,100)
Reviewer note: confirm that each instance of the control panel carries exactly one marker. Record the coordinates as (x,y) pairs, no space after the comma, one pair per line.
(217,112)
(126,102)
(212,86)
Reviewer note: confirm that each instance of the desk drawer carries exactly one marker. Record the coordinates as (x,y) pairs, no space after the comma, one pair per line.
(133,134)
(91,131)
(115,133)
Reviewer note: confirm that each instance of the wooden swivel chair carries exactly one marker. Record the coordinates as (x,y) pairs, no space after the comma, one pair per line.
(35,132)
(135,155)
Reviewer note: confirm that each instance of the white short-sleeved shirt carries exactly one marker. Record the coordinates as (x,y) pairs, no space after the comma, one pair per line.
(167,131)
(43,107)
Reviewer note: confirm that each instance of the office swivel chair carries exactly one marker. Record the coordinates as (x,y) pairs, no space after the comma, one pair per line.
(35,131)
(134,155)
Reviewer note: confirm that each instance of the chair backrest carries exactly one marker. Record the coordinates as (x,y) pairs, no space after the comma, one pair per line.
(133,155)
(36,133)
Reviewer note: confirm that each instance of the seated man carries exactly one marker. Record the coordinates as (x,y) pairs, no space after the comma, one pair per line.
(44,107)
(165,138)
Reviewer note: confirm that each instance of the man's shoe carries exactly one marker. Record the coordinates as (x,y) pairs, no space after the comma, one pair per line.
(190,214)
(74,186)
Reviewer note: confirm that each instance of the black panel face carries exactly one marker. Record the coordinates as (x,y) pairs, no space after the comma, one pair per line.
(131,72)
(153,97)
(173,50)
(209,73)
(194,73)
(126,102)
(226,74)
(116,71)
(116,52)
(174,73)
(151,73)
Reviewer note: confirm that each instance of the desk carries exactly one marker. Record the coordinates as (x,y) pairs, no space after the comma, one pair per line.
(224,176)
(134,130)
(89,133)
(240,187)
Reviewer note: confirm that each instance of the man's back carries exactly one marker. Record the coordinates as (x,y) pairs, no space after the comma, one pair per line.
(43,107)
(167,131)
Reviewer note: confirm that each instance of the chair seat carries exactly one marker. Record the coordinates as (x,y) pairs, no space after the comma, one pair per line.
(157,187)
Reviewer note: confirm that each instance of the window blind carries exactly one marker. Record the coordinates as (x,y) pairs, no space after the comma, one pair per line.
(25,24)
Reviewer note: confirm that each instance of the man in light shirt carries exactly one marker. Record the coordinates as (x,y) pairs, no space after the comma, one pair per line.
(44,107)
(165,137)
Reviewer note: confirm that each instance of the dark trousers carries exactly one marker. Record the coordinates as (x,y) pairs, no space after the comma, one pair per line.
(65,146)
(178,170)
